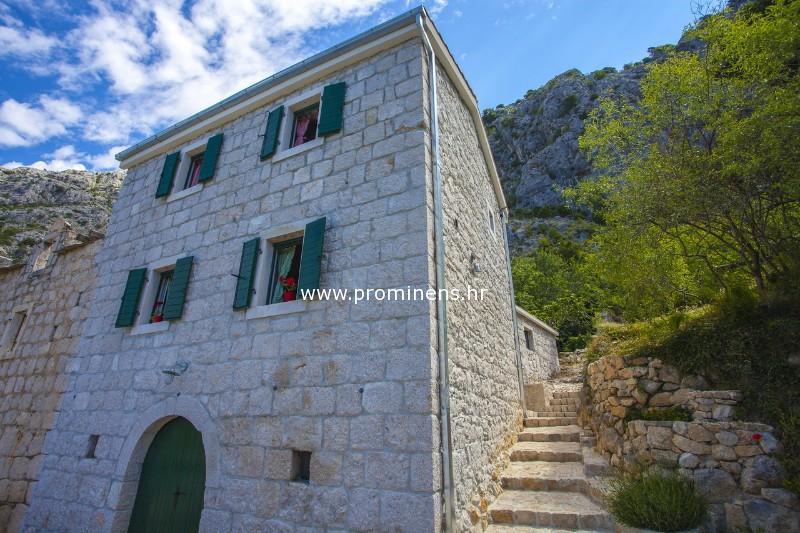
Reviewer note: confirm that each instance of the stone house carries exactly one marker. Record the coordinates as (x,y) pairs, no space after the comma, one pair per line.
(538,348)
(205,381)
(44,305)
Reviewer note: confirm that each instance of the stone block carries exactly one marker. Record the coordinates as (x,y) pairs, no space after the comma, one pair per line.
(716,486)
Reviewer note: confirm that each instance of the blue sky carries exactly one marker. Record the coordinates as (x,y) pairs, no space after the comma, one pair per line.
(82,80)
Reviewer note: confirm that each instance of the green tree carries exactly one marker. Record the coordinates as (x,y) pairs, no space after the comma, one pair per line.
(705,171)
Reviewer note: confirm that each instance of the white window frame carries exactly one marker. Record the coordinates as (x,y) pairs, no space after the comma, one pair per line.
(191,150)
(13,330)
(492,222)
(259,308)
(143,325)
(285,135)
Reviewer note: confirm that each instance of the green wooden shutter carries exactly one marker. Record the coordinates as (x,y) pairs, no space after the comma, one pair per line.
(311,256)
(130,298)
(247,272)
(330,115)
(270,143)
(168,174)
(173,307)
(210,158)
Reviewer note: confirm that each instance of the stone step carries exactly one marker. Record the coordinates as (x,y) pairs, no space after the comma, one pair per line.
(565,401)
(551,421)
(506,528)
(567,510)
(594,464)
(551,434)
(549,414)
(545,475)
(567,394)
(561,408)
(546,451)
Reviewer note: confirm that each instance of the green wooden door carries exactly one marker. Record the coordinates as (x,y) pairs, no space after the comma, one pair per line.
(170,494)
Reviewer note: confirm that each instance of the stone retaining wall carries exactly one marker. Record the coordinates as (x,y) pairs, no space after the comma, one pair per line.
(732,463)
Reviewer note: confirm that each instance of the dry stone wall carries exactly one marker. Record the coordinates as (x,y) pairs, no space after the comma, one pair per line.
(33,370)
(733,463)
(484,385)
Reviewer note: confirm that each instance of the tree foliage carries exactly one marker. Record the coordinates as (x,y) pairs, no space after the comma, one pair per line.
(701,180)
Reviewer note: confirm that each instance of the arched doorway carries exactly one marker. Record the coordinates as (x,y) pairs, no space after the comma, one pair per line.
(171,486)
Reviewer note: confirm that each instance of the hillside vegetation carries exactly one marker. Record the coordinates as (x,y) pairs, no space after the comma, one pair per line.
(694,200)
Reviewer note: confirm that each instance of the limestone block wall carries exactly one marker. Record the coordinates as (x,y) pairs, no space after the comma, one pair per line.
(540,362)
(484,386)
(733,464)
(33,372)
(350,382)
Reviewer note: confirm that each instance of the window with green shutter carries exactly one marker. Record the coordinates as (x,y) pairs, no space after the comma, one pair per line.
(210,158)
(130,298)
(270,144)
(311,258)
(246,276)
(179,284)
(331,113)
(168,174)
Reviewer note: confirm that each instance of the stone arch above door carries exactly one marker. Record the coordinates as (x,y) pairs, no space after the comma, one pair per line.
(141,435)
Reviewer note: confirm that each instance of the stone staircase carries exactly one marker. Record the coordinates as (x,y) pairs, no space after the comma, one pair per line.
(551,483)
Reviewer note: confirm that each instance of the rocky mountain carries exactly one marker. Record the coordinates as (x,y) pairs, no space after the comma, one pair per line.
(535,145)
(31,200)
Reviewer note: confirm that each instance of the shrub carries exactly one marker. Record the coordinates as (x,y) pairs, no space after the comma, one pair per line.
(653,499)
(567,105)
(671,414)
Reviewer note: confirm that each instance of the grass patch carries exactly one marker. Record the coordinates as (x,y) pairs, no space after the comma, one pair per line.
(672,414)
(652,499)
(737,344)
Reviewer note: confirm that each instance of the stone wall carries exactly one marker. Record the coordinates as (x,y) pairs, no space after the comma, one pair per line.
(484,385)
(350,382)
(541,362)
(33,371)
(732,463)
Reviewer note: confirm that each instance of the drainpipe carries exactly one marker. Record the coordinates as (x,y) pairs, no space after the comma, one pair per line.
(441,305)
(520,376)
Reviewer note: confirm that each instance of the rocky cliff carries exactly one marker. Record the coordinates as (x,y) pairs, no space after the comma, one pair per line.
(31,199)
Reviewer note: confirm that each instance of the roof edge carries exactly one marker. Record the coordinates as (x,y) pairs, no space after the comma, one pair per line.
(538,322)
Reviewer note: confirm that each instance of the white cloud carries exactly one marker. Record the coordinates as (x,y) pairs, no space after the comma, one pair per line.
(23,124)
(144,64)
(67,157)
(24,42)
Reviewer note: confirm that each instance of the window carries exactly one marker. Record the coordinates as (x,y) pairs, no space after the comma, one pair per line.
(162,291)
(491,221)
(285,271)
(13,329)
(301,466)
(275,269)
(92,447)
(155,295)
(193,175)
(304,125)
(529,339)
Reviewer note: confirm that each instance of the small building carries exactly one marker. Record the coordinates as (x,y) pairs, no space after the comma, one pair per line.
(538,348)
(44,305)
(220,385)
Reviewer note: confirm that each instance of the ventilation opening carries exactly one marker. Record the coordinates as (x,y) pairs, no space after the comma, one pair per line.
(301,466)
(92,446)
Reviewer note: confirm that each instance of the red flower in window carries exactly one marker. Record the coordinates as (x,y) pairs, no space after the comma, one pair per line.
(288,283)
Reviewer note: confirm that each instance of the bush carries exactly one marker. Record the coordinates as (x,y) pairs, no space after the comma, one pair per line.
(671,414)
(567,105)
(653,499)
